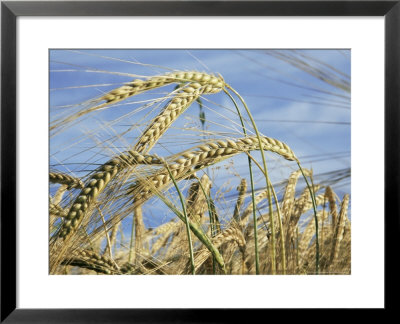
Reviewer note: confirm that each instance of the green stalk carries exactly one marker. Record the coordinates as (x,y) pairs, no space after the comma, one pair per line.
(312,194)
(253,198)
(271,218)
(256,253)
(186,219)
(282,237)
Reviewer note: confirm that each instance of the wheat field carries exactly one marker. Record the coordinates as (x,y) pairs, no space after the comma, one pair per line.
(191,167)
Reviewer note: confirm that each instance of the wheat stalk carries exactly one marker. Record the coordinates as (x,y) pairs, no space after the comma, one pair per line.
(139,230)
(196,205)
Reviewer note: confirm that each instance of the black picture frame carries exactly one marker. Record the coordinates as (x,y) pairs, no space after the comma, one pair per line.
(10,10)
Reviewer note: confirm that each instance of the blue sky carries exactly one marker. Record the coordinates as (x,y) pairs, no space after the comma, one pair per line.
(289,104)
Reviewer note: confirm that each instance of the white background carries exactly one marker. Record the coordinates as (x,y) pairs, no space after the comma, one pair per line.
(363,288)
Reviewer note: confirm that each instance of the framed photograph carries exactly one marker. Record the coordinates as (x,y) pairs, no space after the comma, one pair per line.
(184,148)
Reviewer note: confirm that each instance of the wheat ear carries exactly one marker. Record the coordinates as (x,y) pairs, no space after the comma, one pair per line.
(66,179)
(97,183)
(339,229)
(57,211)
(196,203)
(138,86)
(301,205)
(182,100)
(332,205)
(59,194)
(289,195)
(204,156)
(239,202)
(92,261)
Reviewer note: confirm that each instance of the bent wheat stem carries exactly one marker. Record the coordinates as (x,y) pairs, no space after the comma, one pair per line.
(257,258)
(312,195)
(186,218)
